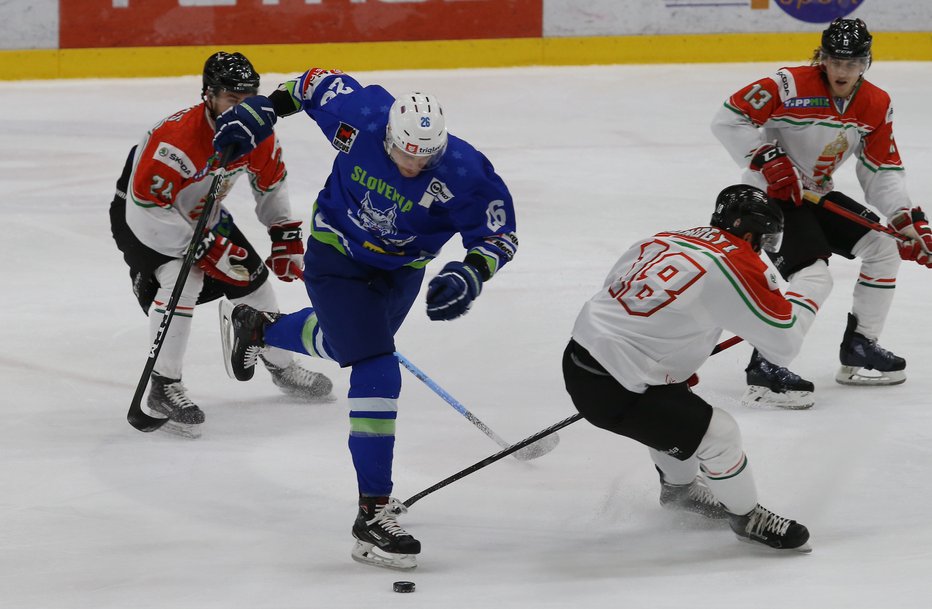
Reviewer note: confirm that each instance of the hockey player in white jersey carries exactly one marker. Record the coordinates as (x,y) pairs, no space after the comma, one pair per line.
(158,200)
(790,132)
(657,318)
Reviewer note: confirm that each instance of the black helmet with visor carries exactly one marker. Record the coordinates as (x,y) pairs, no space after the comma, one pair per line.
(741,209)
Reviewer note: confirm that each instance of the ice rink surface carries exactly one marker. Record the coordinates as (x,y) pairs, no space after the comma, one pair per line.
(256,514)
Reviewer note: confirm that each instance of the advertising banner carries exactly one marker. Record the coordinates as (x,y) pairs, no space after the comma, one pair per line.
(138,23)
(658,17)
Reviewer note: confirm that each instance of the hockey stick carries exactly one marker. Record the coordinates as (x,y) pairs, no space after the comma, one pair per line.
(136,416)
(532,452)
(835,208)
(493,458)
(725,344)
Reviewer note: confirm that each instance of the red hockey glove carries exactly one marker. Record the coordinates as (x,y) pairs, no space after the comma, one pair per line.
(217,257)
(913,224)
(783,180)
(912,250)
(287,259)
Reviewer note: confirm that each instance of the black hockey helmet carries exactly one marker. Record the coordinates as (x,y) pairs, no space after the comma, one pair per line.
(847,39)
(230,71)
(742,209)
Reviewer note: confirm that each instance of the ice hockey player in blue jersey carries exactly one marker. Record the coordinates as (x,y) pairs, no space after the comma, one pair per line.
(399,189)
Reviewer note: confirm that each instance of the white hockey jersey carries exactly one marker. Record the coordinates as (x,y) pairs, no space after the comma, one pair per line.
(172,173)
(666,301)
(795,107)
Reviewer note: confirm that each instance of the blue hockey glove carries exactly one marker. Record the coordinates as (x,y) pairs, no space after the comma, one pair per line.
(245,126)
(451,292)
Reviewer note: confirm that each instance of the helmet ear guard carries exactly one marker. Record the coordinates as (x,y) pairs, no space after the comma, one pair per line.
(741,209)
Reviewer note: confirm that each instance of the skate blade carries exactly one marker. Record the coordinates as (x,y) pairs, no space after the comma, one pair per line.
(757,396)
(307,396)
(803,549)
(368,554)
(225,311)
(182,430)
(537,449)
(852,375)
(708,513)
(226,335)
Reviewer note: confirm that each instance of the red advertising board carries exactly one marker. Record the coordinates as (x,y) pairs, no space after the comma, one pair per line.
(140,23)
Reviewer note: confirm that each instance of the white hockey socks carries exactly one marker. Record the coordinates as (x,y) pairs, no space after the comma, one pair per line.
(726,468)
(874,290)
(175,342)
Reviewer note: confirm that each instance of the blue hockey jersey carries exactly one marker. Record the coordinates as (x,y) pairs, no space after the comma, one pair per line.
(369,211)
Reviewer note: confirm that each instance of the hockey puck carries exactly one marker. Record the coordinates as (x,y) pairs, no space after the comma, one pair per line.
(403,586)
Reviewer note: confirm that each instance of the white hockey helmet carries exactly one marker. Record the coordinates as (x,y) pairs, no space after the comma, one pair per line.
(416,126)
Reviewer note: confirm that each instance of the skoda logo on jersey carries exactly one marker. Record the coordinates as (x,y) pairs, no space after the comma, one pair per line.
(174,158)
(785,84)
(822,11)
(344,138)
(436,191)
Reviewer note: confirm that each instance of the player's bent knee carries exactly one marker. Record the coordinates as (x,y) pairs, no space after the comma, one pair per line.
(722,440)
(878,250)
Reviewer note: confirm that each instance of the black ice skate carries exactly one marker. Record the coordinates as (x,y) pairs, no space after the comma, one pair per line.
(380,540)
(858,352)
(772,385)
(169,397)
(295,380)
(762,526)
(241,331)
(693,497)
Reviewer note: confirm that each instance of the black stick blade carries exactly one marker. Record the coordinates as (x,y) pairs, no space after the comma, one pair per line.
(143,422)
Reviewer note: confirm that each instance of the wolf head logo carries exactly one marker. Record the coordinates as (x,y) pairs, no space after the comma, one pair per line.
(376,221)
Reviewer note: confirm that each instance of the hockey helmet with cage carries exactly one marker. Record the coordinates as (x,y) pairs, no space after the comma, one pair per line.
(417,127)
(231,72)
(847,39)
(742,209)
